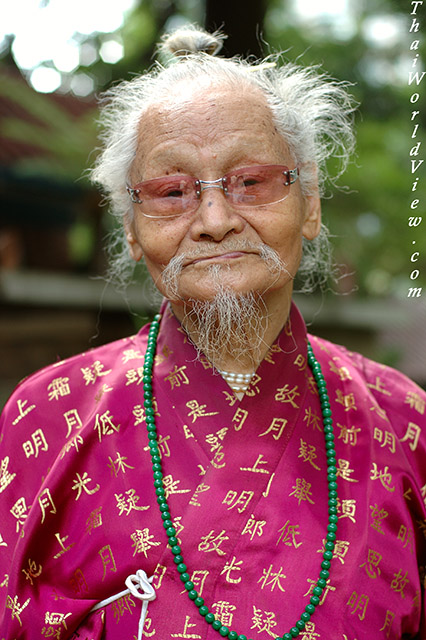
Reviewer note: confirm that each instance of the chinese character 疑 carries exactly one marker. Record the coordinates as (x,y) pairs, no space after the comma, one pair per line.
(263,621)
(95,371)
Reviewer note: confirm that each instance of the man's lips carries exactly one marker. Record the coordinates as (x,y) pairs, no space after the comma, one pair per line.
(230,255)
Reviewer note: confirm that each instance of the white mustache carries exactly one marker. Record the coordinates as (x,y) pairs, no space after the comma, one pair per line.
(174,268)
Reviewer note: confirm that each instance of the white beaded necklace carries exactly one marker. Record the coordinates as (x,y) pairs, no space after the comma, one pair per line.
(237,381)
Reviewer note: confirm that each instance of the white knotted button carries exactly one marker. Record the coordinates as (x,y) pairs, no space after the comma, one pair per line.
(139,585)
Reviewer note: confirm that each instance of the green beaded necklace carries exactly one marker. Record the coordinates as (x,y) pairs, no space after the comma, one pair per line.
(181,567)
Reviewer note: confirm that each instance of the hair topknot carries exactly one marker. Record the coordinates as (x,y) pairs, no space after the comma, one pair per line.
(190,40)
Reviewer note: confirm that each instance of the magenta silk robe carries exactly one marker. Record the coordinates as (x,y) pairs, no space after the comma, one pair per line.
(246,484)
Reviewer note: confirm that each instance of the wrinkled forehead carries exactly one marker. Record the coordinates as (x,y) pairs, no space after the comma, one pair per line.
(218,116)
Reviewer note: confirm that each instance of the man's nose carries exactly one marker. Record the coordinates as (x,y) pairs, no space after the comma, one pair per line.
(215,218)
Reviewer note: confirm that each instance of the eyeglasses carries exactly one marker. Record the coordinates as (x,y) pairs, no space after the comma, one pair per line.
(171,196)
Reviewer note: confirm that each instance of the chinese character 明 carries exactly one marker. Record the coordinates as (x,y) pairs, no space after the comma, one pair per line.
(38,444)
(358,604)
(385,438)
(241,502)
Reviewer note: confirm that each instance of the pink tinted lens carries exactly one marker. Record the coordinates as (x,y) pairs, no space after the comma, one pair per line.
(263,184)
(168,195)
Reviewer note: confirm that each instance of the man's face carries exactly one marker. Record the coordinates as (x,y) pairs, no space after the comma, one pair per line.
(206,134)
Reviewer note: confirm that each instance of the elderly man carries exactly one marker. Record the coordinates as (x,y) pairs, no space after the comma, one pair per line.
(246,480)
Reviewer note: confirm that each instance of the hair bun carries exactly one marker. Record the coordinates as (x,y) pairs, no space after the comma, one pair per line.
(191,40)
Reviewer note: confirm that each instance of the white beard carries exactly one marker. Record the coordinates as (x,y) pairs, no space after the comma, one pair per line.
(230,324)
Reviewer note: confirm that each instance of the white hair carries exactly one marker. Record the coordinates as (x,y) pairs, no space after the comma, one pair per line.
(311,111)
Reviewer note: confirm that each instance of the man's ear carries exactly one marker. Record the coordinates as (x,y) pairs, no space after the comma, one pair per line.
(312,224)
(132,240)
